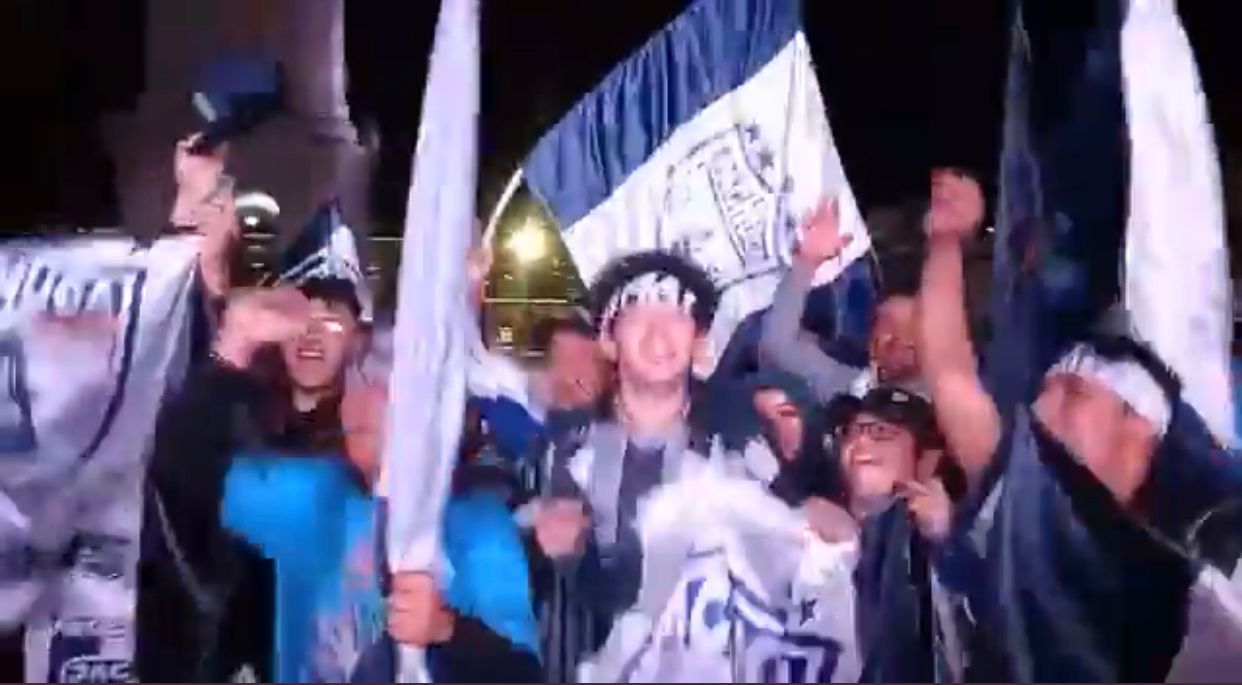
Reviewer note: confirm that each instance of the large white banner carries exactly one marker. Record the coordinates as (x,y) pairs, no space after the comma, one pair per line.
(92,332)
(736,588)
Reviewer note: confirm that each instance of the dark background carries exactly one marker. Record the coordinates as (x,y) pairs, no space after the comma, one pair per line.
(907,85)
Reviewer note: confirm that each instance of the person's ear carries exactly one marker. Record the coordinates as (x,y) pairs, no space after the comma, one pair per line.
(608,346)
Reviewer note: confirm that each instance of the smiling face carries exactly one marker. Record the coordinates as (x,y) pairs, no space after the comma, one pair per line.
(876,456)
(315,359)
(653,343)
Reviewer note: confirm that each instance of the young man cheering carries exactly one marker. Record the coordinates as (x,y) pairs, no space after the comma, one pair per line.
(652,311)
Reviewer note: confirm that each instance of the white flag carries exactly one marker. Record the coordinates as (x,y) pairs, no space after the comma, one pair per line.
(1176,261)
(428,386)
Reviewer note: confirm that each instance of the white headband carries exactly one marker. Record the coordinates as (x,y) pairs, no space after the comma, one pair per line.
(649,288)
(1133,383)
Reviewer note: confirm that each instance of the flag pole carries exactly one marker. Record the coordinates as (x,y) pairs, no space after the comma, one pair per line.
(493,221)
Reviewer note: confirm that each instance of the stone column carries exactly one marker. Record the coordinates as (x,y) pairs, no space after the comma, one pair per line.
(303,157)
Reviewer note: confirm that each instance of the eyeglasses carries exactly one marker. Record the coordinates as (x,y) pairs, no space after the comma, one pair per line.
(879,431)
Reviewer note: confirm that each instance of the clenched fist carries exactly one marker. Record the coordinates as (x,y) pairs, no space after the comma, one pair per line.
(956,210)
(560,527)
(416,614)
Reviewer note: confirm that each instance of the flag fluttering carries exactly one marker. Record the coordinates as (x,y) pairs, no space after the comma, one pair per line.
(712,141)
(326,248)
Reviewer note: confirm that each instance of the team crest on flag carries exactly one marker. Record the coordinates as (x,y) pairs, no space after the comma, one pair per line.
(725,208)
(692,145)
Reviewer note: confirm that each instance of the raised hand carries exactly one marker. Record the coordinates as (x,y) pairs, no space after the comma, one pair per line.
(929,504)
(199,180)
(956,210)
(259,317)
(821,236)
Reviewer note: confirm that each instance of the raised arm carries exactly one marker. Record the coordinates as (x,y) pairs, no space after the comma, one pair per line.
(965,411)
(783,343)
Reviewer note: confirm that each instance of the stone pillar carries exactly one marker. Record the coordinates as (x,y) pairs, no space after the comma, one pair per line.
(303,157)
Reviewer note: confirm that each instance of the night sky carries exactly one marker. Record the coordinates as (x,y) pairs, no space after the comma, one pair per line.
(908,85)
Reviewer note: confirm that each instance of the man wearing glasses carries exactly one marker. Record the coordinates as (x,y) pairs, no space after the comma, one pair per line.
(889,451)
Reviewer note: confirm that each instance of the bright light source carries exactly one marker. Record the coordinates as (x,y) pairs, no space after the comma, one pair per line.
(257,201)
(529,243)
(250,220)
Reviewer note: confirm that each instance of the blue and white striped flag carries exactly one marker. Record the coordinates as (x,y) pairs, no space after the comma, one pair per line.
(1112,194)
(711,140)
(326,248)
(428,388)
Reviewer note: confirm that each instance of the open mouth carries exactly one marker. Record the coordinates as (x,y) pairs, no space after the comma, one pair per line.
(863,459)
(310,352)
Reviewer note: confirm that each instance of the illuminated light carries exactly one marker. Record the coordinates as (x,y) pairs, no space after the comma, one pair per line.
(528,244)
(250,220)
(257,201)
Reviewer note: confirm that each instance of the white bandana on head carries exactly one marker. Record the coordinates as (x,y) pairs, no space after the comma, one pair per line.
(1133,383)
(649,288)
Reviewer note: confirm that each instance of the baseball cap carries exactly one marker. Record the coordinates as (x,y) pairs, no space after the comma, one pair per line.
(890,404)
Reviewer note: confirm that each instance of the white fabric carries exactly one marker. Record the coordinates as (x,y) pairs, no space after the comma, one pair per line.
(1127,378)
(669,203)
(649,288)
(725,563)
(493,375)
(432,340)
(1176,263)
(1212,649)
(92,333)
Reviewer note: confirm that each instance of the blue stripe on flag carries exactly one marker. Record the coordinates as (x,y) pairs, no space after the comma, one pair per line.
(1064,179)
(709,50)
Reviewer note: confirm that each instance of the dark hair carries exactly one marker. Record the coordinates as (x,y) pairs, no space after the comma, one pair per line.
(621,271)
(333,290)
(547,329)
